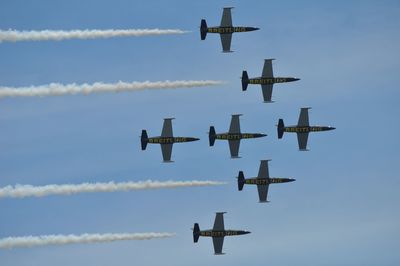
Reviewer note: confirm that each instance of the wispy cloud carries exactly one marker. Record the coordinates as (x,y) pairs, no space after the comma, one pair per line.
(57,89)
(22,191)
(59,35)
(33,241)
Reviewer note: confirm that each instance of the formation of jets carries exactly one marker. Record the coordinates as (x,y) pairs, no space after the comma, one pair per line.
(235,135)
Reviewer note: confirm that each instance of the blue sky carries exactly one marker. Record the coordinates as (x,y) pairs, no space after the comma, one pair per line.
(343,208)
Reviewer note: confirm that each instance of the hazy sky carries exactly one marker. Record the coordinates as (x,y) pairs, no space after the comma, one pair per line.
(342,210)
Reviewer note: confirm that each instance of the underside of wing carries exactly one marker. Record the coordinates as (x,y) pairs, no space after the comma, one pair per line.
(267,69)
(218,242)
(302,140)
(167,128)
(219,222)
(166,150)
(234,148)
(263,171)
(262,192)
(226,40)
(303,118)
(234,127)
(267,92)
(226,20)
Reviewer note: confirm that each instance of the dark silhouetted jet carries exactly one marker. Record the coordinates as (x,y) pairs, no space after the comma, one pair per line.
(267,80)
(217,233)
(225,30)
(166,140)
(233,136)
(302,129)
(262,181)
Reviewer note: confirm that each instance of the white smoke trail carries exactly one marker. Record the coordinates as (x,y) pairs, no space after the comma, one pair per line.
(21,191)
(57,89)
(58,35)
(32,241)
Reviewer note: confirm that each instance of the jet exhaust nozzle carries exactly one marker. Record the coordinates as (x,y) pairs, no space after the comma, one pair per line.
(203,29)
(281,128)
(245,80)
(211,135)
(240,180)
(196,232)
(144,139)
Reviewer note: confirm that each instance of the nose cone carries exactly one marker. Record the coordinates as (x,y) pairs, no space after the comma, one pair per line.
(296,79)
(246,232)
(332,128)
(292,179)
(193,139)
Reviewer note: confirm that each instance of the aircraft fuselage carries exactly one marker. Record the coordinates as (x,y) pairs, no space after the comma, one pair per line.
(170,140)
(268,81)
(211,233)
(238,136)
(229,30)
(306,129)
(267,181)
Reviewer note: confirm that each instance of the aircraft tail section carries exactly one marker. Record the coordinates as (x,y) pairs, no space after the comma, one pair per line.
(211,136)
(281,128)
(245,80)
(241,180)
(203,29)
(144,139)
(196,232)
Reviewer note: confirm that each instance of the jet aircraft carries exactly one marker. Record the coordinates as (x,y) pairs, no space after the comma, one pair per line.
(233,136)
(225,30)
(217,233)
(166,140)
(267,80)
(302,129)
(262,181)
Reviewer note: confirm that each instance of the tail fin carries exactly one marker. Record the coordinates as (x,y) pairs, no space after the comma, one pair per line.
(144,139)
(281,128)
(240,180)
(203,29)
(245,80)
(211,135)
(196,232)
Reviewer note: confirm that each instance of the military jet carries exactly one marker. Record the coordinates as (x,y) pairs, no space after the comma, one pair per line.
(233,136)
(166,140)
(225,30)
(217,233)
(262,181)
(267,80)
(302,129)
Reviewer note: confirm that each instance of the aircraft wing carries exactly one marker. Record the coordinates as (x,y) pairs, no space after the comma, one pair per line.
(267,92)
(166,152)
(302,140)
(234,128)
(267,69)
(219,222)
(234,147)
(226,20)
(303,118)
(262,192)
(263,171)
(218,242)
(226,40)
(167,128)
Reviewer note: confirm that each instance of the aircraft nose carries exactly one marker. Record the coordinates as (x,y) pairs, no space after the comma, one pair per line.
(292,179)
(246,232)
(296,79)
(263,135)
(332,128)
